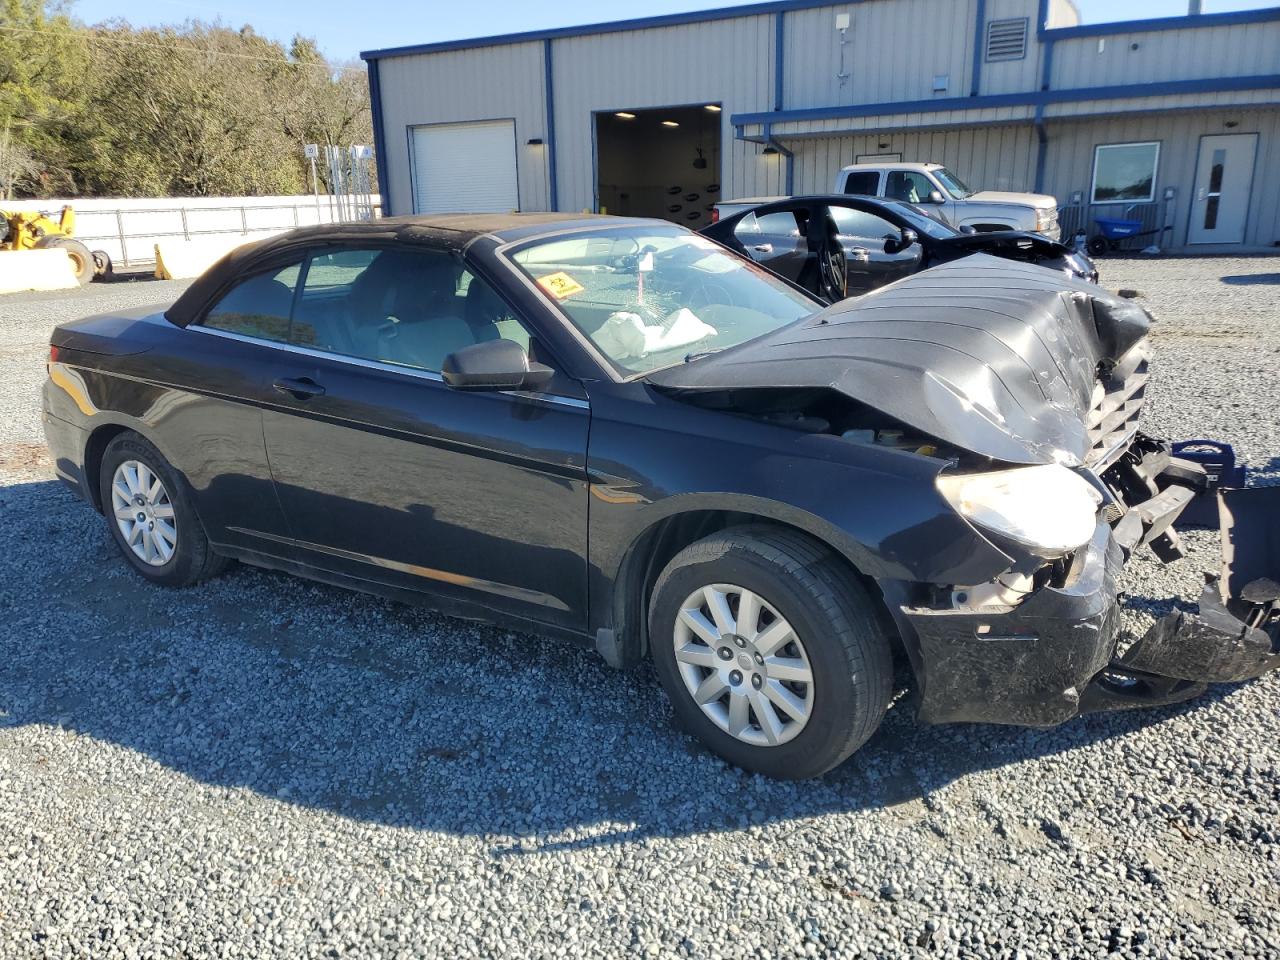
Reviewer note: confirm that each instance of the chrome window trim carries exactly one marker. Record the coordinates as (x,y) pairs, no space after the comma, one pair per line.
(415,372)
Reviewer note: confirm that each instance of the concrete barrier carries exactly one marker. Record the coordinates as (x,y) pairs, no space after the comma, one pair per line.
(184,259)
(36,270)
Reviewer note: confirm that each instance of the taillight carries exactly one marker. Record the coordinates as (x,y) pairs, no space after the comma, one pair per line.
(715,214)
(54,353)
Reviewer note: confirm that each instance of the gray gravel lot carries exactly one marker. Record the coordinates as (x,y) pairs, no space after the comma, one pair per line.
(262,767)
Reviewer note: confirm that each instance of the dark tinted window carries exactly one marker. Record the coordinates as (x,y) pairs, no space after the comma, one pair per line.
(784,223)
(398,306)
(864,183)
(258,306)
(859,223)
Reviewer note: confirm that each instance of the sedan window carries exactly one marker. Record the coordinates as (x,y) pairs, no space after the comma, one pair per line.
(650,296)
(258,306)
(860,223)
(398,306)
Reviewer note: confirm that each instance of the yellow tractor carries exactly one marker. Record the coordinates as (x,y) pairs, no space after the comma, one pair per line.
(22,230)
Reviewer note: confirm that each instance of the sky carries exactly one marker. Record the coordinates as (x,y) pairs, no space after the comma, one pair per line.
(343,28)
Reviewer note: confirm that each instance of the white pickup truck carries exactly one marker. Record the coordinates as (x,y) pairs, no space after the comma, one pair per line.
(942,193)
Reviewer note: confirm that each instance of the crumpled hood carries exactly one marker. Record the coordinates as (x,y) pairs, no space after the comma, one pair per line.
(1025,199)
(993,356)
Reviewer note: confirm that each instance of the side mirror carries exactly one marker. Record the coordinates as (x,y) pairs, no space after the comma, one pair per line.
(901,242)
(935,196)
(968,228)
(494,365)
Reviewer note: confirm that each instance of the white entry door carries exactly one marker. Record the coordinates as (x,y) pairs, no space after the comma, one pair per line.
(465,167)
(1224,177)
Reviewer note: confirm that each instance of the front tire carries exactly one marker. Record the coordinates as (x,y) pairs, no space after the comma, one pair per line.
(151,516)
(770,651)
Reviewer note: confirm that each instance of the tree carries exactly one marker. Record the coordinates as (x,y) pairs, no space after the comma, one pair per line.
(198,109)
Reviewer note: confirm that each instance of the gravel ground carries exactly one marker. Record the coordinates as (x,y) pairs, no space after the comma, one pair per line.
(261,767)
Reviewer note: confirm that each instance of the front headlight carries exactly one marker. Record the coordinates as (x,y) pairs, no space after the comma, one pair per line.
(1046,218)
(1048,509)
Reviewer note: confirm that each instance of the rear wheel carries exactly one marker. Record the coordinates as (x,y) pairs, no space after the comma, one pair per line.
(151,517)
(81,259)
(770,651)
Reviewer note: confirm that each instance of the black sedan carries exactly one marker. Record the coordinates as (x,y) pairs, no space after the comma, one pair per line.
(620,433)
(839,245)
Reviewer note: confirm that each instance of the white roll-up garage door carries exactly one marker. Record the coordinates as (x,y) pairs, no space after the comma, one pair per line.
(465,167)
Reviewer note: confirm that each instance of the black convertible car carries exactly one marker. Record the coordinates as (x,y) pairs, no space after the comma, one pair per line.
(619,432)
(840,245)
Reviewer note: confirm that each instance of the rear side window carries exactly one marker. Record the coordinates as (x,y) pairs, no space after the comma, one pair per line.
(865,183)
(785,223)
(860,223)
(259,306)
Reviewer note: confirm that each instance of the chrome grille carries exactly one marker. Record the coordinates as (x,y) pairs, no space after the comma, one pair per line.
(1117,404)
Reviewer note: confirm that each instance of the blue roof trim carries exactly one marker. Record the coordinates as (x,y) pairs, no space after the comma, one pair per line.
(589,29)
(1265,15)
(1027,99)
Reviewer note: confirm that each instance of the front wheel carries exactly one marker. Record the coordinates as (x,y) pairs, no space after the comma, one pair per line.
(770,651)
(151,517)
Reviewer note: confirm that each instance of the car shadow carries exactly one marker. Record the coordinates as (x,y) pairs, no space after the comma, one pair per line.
(391,714)
(1252,279)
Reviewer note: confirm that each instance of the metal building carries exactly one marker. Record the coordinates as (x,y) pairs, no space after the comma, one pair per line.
(1175,121)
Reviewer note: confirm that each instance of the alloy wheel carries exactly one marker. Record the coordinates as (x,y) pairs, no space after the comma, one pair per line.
(743,664)
(144,513)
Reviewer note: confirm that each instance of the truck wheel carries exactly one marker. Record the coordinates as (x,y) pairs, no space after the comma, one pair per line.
(81,259)
(770,651)
(151,516)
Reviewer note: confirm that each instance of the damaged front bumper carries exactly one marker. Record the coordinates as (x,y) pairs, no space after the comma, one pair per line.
(1053,655)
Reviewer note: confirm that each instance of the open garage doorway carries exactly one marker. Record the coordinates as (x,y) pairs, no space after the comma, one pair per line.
(659,163)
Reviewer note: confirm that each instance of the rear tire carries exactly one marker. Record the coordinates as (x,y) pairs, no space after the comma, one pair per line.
(838,643)
(151,517)
(81,259)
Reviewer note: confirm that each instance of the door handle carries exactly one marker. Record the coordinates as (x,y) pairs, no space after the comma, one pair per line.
(859,254)
(763,248)
(302,388)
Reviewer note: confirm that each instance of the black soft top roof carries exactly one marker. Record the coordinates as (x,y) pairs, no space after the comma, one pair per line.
(449,231)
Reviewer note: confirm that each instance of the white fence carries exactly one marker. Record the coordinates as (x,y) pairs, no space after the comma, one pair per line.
(127,229)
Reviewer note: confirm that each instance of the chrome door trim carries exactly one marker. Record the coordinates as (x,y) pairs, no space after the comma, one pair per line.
(430,375)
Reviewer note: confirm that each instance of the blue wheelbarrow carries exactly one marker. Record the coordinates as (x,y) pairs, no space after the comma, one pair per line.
(1112,230)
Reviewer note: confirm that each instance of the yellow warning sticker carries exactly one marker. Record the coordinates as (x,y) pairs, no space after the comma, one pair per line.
(560,285)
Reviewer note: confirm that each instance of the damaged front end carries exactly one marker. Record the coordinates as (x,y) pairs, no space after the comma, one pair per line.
(987,654)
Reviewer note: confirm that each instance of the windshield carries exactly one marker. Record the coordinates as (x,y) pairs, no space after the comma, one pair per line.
(955,186)
(651,296)
(922,223)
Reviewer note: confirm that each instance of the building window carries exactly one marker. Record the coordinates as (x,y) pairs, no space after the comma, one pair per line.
(1125,172)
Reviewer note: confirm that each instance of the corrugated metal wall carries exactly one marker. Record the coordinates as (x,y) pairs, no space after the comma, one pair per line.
(724,61)
(991,158)
(1238,50)
(1070,160)
(485,83)
(895,49)
(932,38)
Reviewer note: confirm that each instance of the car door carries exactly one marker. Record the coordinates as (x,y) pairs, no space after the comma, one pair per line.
(776,239)
(212,429)
(387,474)
(868,240)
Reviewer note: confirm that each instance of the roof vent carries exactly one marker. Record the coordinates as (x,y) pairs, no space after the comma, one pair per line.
(1007,39)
